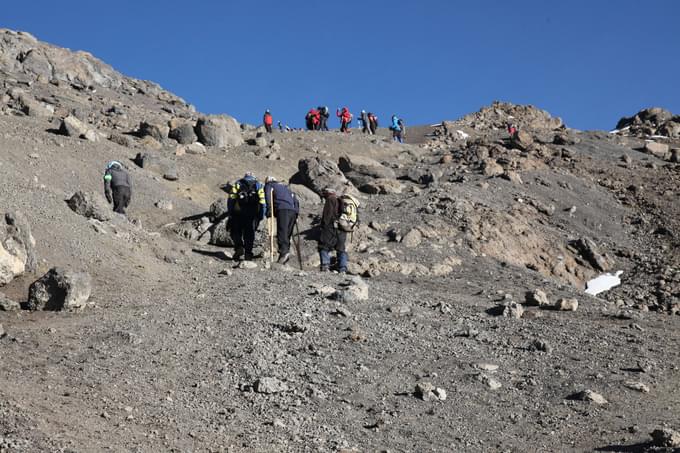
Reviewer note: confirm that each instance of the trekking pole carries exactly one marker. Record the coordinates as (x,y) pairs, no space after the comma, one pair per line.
(297,243)
(271,226)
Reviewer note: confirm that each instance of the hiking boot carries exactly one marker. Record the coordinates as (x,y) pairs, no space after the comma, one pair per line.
(249,256)
(238,254)
(342,270)
(283,259)
(325,268)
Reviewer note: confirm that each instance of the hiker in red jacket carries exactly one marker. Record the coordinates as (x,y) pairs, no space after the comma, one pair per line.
(267,120)
(312,120)
(345,118)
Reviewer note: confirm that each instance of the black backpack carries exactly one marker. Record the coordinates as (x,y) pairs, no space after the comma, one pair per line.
(248,195)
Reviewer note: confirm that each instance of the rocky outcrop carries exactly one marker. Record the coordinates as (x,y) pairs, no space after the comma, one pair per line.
(651,121)
(17,247)
(60,290)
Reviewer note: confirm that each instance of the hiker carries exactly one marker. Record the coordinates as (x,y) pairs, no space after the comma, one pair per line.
(286,209)
(324,115)
(117,186)
(345,118)
(396,129)
(512,129)
(247,207)
(372,122)
(280,126)
(312,119)
(267,120)
(339,217)
(365,123)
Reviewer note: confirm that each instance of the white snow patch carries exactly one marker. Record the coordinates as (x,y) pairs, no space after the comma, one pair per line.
(603,283)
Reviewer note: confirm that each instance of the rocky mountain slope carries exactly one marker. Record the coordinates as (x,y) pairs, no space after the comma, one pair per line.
(464,327)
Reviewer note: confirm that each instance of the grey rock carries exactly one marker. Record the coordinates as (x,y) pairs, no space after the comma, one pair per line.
(366,166)
(351,291)
(218,209)
(565,304)
(521,140)
(158,131)
(589,395)
(382,186)
(122,140)
(59,289)
(90,206)
(183,133)
(158,164)
(537,298)
(589,251)
(305,195)
(219,131)
(164,205)
(666,437)
(7,304)
(413,238)
(660,150)
(73,127)
(269,385)
(317,174)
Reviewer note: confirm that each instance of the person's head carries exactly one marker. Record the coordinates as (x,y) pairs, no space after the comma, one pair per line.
(266,111)
(328,192)
(249,175)
(269,180)
(114,164)
(363,111)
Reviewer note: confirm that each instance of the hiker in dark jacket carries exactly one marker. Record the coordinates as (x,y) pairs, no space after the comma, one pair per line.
(324,115)
(286,209)
(331,237)
(117,186)
(247,207)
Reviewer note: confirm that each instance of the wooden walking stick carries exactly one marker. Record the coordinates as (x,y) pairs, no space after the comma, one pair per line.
(271,226)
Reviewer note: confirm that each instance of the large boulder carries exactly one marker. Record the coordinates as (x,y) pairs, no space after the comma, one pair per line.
(183,133)
(90,206)
(219,209)
(73,127)
(156,130)
(157,163)
(317,174)
(220,234)
(305,195)
(17,247)
(60,290)
(660,150)
(382,186)
(521,140)
(219,131)
(365,166)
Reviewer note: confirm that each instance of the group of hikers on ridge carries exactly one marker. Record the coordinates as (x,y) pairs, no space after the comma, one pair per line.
(316,119)
(250,202)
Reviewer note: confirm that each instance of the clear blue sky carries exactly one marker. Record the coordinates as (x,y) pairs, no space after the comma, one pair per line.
(589,62)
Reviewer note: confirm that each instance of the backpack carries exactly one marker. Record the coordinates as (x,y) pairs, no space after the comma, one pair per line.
(349,207)
(248,193)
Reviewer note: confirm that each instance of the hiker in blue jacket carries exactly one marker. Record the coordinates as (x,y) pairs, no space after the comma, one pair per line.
(286,209)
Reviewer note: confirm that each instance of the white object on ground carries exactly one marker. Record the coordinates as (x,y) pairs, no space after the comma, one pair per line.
(616,131)
(462,134)
(603,283)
